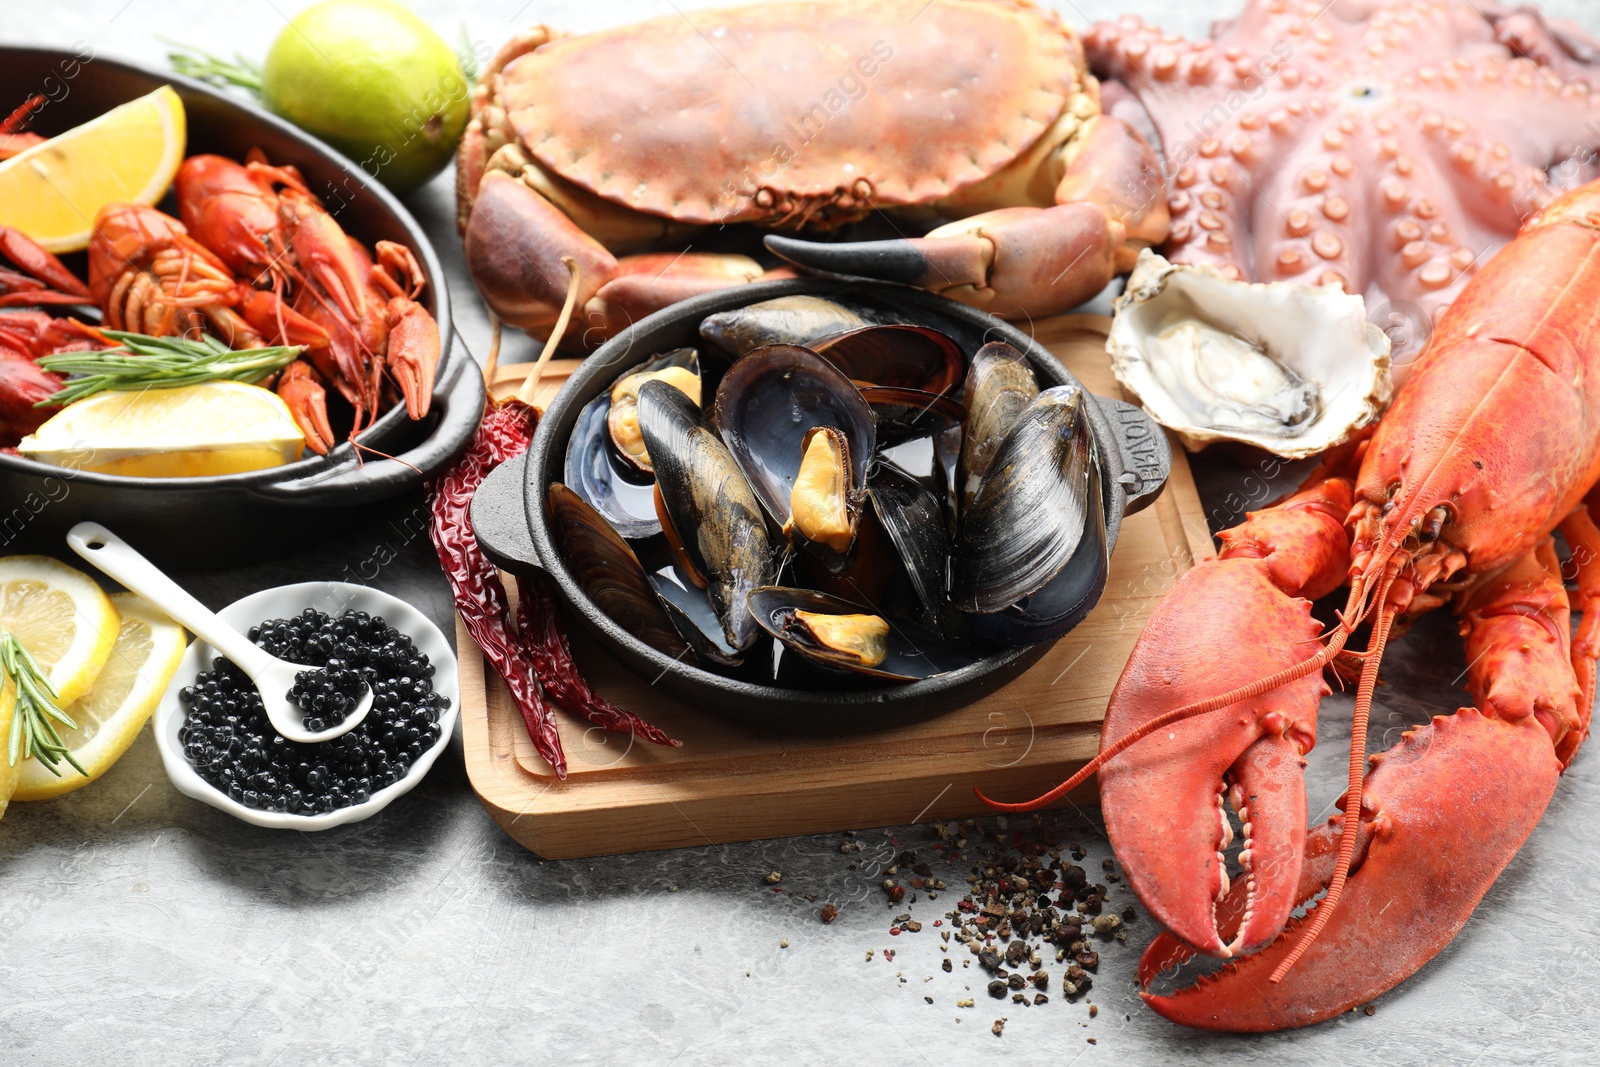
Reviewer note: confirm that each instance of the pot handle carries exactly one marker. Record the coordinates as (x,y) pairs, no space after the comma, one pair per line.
(499,520)
(458,397)
(1146,453)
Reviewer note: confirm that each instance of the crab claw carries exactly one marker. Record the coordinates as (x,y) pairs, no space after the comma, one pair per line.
(1016,262)
(1224,625)
(413,355)
(1442,814)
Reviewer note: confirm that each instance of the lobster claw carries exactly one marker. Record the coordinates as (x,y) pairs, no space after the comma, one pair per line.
(1224,624)
(1442,814)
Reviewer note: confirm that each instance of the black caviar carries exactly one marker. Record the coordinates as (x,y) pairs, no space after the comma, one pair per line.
(227,737)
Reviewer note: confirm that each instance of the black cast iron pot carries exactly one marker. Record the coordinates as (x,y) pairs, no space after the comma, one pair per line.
(236,517)
(510,518)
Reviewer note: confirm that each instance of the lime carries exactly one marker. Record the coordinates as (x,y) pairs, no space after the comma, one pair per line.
(374,81)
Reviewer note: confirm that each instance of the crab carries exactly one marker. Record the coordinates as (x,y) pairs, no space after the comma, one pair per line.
(621,151)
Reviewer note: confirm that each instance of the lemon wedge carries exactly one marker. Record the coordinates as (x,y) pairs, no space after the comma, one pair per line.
(189,432)
(52,191)
(8,773)
(61,617)
(110,715)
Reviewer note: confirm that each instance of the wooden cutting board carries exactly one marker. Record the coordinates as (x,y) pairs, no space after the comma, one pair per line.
(730,783)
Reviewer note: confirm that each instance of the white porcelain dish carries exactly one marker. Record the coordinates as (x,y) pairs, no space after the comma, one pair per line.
(284,602)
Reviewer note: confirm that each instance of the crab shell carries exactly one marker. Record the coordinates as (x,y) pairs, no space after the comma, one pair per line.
(785,115)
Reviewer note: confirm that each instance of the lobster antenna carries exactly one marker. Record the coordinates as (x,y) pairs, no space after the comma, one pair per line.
(530,384)
(1357,777)
(1315,662)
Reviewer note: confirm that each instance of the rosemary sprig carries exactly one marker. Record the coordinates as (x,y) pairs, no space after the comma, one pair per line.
(197,63)
(143,362)
(33,724)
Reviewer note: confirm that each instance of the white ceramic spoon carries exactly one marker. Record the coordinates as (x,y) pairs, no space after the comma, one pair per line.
(273,677)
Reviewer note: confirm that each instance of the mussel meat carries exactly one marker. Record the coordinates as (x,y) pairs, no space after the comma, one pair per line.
(710,505)
(837,635)
(802,434)
(679,368)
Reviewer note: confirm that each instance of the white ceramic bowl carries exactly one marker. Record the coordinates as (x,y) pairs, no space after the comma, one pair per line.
(287,601)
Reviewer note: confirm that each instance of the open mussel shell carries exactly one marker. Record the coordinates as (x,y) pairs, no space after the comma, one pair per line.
(921,434)
(710,504)
(900,356)
(913,519)
(679,368)
(903,414)
(837,635)
(1000,385)
(688,609)
(596,473)
(1038,502)
(767,407)
(606,568)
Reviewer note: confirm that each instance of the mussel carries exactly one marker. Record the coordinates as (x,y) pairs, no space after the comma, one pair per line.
(921,433)
(679,368)
(596,473)
(1031,556)
(710,506)
(1000,385)
(689,610)
(838,496)
(912,518)
(608,571)
(789,320)
(838,635)
(804,437)
(607,463)
(899,356)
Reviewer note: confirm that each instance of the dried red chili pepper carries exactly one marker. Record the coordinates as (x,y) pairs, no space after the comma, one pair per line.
(539,623)
(474,581)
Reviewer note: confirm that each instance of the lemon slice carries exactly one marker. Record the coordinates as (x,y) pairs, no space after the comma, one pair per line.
(61,617)
(189,432)
(8,773)
(113,711)
(52,191)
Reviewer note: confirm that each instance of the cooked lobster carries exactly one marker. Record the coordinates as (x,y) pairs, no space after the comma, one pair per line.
(1490,447)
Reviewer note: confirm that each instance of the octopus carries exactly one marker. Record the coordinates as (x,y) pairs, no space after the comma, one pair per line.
(1388,148)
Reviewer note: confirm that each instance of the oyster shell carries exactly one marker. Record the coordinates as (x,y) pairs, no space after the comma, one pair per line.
(1291,369)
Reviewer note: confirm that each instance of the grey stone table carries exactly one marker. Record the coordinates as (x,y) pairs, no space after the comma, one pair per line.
(140,927)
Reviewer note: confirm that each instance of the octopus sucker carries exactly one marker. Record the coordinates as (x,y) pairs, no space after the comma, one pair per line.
(1449,118)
